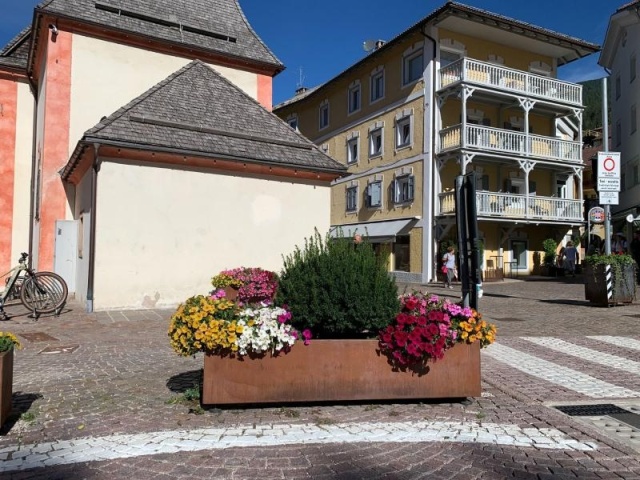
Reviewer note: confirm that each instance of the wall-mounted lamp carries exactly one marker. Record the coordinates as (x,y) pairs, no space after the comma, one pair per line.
(54,29)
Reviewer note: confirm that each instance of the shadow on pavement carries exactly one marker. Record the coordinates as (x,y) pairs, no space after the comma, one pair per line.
(580,303)
(21,403)
(184,381)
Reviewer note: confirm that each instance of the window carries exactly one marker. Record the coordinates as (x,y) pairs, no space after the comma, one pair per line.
(404,189)
(375,143)
(618,133)
(354,97)
(324,115)
(292,120)
(377,85)
(634,120)
(403,132)
(352,150)
(519,255)
(447,57)
(632,68)
(412,67)
(402,253)
(617,87)
(352,199)
(374,194)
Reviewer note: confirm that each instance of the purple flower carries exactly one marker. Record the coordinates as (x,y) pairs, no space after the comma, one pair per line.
(306,334)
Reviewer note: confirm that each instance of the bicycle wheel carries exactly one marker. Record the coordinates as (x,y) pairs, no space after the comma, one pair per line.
(44,292)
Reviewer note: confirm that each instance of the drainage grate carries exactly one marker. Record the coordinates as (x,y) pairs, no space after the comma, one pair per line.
(592,410)
(38,337)
(60,349)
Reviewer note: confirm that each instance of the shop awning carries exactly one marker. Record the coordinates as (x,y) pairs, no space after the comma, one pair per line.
(377,231)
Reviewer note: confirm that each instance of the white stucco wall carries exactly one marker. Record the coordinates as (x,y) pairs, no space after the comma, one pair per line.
(22,172)
(162,233)
(106,76)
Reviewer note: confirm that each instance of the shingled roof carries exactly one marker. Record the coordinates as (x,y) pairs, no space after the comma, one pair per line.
(15,54)
(216,25)
(196,111)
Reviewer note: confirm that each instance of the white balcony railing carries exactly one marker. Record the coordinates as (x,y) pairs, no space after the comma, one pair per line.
(509,142)
(508,79)
(517,206)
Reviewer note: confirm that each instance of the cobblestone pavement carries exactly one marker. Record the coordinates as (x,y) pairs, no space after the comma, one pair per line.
(102,396)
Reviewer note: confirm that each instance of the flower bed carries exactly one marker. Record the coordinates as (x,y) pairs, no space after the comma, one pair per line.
(258,350)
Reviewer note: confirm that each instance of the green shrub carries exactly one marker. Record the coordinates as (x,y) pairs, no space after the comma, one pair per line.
(337,288)
(549,246)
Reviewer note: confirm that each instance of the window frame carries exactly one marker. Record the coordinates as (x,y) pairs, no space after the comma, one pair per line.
(368,196)
(324,107)
(354,92)
(351,198)
(353,142)
(632,68)
(405,121)
(292,121)
(617,87)
(407,59)
(377,74)
(633,120)
(399,189)
(376,133)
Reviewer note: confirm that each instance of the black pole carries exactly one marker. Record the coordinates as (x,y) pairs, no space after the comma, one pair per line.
(463,253)
(475,280)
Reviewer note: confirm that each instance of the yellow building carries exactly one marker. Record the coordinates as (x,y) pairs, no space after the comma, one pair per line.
(462,90)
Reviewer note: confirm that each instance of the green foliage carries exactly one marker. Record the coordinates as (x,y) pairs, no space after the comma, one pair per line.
(549,246)
(337,288)
(592,99)
(612,259)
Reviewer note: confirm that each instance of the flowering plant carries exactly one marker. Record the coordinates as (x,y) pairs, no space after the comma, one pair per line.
(216,325)
(427,326)
(8,341)
(254,285)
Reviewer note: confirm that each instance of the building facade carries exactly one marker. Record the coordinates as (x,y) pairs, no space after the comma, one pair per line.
(619,55)
(463,90)
(139,153)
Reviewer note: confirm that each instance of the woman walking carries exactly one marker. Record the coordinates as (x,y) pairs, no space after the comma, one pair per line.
(449,261)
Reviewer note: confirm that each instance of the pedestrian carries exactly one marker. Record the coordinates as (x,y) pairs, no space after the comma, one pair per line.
(571,257)
(449,262)
(619,244)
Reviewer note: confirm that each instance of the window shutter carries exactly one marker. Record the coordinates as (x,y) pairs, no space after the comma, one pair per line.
(394,191)
(410,189)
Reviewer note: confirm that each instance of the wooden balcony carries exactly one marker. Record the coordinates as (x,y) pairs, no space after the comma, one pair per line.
(517,207)
(467,70)
(509,142)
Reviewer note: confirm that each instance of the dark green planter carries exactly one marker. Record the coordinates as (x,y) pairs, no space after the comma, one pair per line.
(595,285)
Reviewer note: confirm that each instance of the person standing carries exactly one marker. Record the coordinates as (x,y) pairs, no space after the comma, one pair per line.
(618,244)
(449,261)
(571,256)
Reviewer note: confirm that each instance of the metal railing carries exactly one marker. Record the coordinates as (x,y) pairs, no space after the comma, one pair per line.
(518,206)
(509,142)
(509,79)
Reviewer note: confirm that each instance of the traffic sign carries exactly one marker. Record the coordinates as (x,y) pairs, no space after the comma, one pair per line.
(608,198)
(609,171)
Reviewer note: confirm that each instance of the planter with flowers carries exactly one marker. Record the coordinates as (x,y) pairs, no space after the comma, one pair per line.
(368,343)
(610,279)
(8,343)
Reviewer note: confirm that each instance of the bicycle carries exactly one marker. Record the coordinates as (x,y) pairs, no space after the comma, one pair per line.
(40,292)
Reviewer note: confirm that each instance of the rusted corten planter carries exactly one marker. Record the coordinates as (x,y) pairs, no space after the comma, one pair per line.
(337,370)
(6,384)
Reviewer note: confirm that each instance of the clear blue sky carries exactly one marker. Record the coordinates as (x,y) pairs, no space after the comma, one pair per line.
(323,37)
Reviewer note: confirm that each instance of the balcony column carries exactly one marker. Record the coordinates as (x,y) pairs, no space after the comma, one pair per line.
(526,105)
(526,167)
(466,94)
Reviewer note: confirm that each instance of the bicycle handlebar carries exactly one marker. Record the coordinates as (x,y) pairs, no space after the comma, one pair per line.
(23,257)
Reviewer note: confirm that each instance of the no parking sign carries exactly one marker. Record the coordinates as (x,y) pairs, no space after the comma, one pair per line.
(608,171)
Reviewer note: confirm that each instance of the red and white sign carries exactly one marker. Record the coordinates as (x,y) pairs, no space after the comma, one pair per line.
(608,171)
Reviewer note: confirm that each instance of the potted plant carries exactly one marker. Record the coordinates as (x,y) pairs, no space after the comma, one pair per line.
(339,289)
(550,247)
(248,285)
(610,279)
(8,343)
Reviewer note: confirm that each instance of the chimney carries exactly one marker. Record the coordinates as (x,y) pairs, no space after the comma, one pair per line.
(379,44)
(300,90)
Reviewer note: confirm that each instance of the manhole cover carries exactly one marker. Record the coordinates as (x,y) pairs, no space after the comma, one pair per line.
(592,410)
(510,319)
(38,337)
(60,349)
